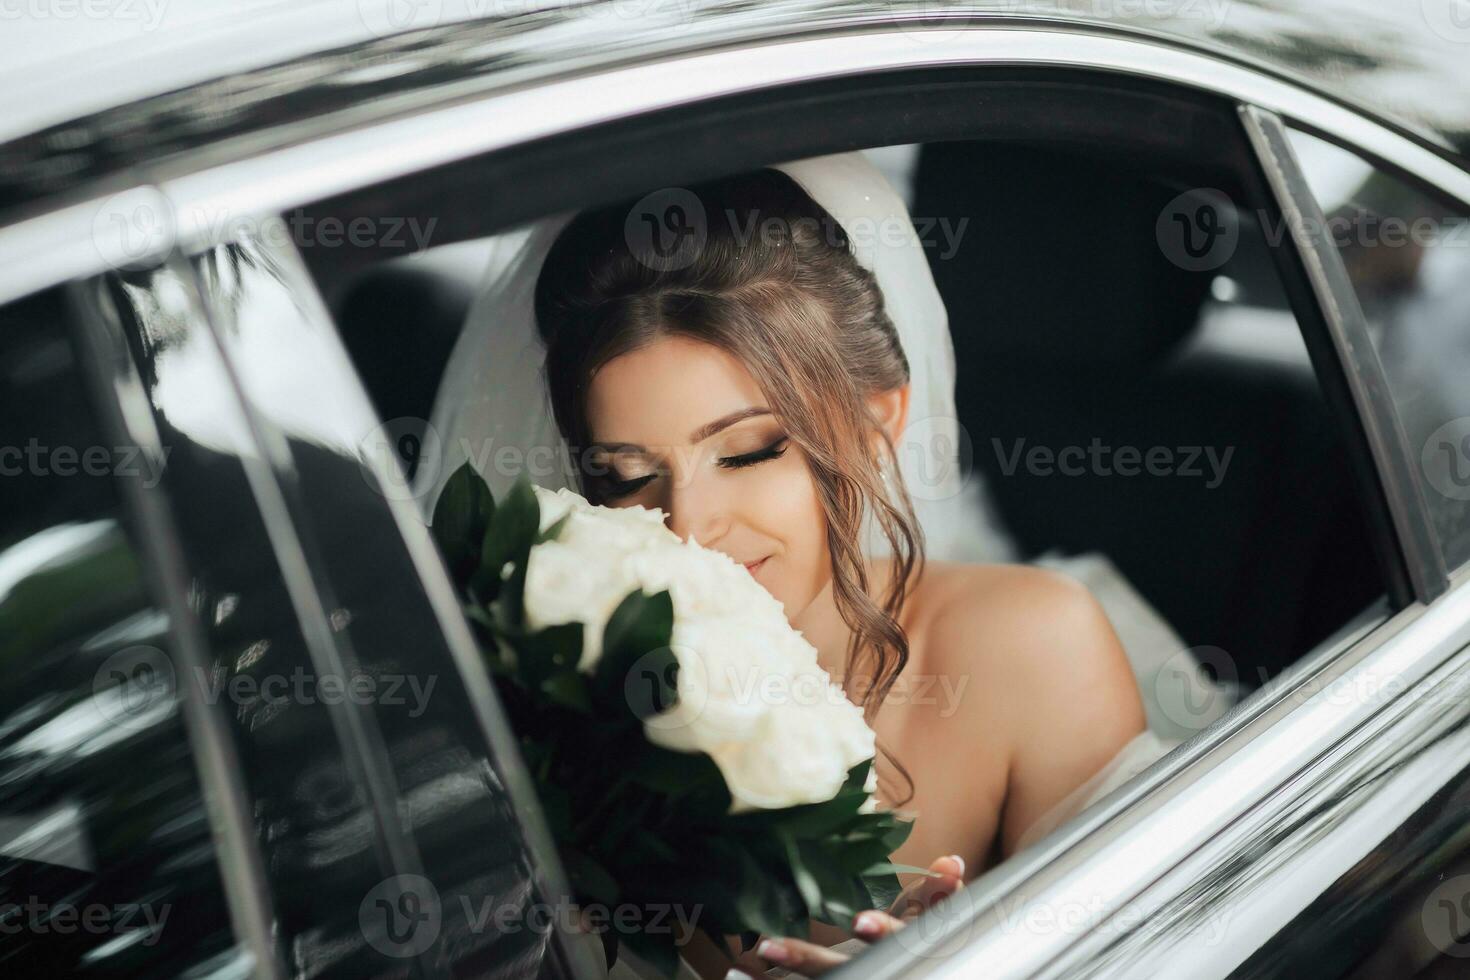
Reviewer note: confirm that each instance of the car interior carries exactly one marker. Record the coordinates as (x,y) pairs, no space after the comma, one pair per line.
(1262,558)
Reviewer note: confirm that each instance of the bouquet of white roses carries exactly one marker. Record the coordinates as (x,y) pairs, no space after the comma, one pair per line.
(687,749)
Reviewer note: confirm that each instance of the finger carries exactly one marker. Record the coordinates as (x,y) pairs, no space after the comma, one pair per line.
(873,925)
(800,956)
(923,893)
(748,962)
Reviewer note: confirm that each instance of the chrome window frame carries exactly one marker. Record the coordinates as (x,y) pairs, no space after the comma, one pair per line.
(1348,328)
(1226,770)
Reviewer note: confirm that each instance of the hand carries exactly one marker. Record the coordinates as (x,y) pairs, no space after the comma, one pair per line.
(813,959)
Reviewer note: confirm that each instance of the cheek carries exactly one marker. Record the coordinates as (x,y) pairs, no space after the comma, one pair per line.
(783,504)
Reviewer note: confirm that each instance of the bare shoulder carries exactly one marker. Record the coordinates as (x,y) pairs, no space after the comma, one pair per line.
(1013,607)
(1055,682)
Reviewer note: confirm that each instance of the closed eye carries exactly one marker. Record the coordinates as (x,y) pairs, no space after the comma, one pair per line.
(614,489)
(774,451)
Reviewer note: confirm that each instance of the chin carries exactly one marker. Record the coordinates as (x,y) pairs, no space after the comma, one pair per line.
(795,601)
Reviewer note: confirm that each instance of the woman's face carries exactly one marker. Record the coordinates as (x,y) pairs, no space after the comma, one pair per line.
(681,425)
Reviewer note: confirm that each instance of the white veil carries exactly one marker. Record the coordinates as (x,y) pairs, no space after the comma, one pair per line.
(493,408)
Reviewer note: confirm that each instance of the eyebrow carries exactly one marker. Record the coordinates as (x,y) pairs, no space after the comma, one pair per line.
(698,435)
(725,421)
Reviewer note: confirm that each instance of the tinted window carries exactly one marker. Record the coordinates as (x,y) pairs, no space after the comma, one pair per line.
(106,861)
(1408,254)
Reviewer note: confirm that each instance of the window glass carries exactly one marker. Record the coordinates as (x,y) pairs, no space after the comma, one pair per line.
(106,860)
(1143,408)
(1408,255)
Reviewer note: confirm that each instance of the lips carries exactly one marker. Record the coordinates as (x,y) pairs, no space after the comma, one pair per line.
(753,566)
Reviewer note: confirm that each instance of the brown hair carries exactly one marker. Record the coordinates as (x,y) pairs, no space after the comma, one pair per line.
(760,270)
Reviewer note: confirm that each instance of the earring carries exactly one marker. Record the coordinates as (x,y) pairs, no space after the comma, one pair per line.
(884,469)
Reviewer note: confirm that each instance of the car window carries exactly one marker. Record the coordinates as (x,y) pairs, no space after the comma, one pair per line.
(1407,252)
(1213,512)
(383,825)
(107,865)
(1143,407)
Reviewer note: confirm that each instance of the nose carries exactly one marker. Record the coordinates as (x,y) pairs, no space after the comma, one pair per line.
(696,508)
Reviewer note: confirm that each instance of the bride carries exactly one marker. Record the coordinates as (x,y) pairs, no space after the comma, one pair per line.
(766,359)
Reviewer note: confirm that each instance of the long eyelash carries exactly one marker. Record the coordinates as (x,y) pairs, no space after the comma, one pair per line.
(759,456)
(624,488)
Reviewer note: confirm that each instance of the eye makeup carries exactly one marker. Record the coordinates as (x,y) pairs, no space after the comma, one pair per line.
(774,450)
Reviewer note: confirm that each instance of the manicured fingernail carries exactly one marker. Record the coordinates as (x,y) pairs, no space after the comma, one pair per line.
(961,862)
(866,924)
(735,974)
(773,951)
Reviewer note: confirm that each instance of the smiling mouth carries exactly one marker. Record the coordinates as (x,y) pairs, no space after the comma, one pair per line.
(752,566)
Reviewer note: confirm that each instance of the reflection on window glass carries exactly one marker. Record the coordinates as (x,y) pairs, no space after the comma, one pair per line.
(106,861)
(1408,255)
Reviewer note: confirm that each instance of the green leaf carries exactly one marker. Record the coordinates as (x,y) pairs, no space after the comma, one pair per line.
(887,867)
(856,856)
(831,895)
(637,668)
(568,689)
(553,531)
(689,779)
(508,539)
(547,652)
(590,878)
(761,902)
(461,515)
(883,890)
(894,838)
(671,773)
(813,820)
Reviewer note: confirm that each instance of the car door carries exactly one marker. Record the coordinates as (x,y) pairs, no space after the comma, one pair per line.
(1195,865)
(247,730)
(1346,860)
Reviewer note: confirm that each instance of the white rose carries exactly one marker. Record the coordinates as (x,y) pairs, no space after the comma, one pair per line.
(802,757)
(564,586)
(751,692)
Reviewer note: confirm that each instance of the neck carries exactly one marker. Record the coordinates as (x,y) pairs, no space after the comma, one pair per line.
(824,628)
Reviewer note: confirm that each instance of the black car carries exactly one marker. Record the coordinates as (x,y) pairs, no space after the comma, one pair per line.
(244,728)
